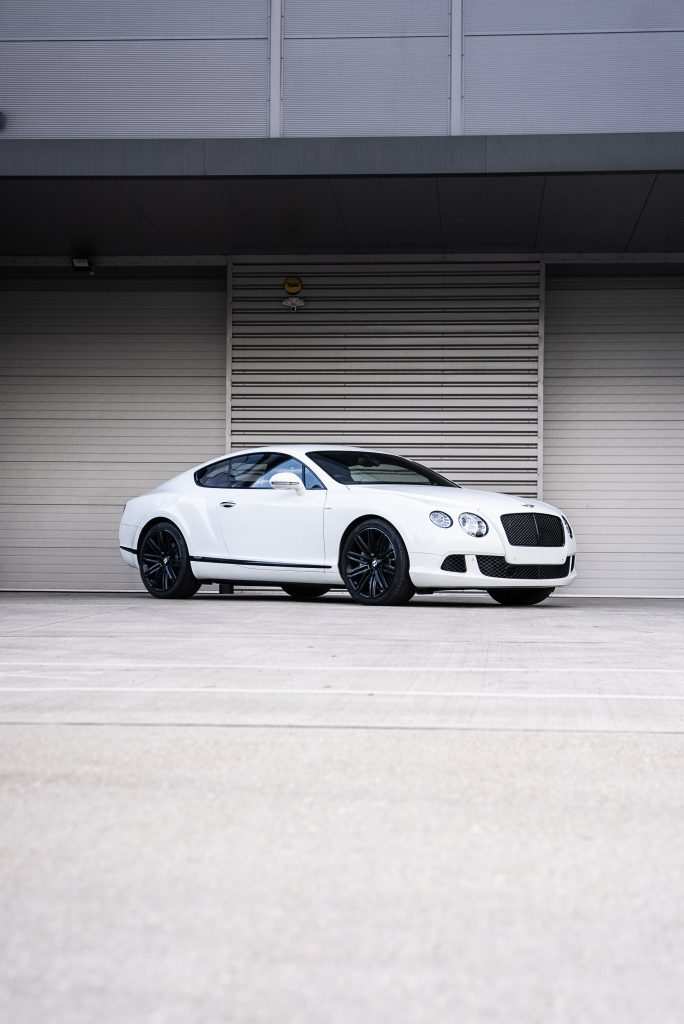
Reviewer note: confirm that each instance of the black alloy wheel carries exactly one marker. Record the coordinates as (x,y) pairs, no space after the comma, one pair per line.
(164,562)
(374,564)
(522,597)
(305,591)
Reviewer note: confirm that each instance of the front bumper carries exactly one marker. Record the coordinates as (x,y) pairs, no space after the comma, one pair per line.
(426,571)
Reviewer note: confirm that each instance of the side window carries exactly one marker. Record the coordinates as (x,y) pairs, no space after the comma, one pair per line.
(287,465)
(216,475)
(311,481)
(240,472)
(255,471)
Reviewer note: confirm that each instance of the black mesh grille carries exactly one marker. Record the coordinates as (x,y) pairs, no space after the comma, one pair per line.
(454,563)
(494,565)
(533,530)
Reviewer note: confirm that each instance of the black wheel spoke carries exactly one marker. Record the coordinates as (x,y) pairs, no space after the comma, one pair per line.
(356,557)
(152,569)
(363,544)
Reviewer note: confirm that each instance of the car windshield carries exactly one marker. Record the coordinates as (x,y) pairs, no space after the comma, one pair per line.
(352,467)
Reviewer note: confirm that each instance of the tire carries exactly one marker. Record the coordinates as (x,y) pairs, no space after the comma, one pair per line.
(520,596)
(374,564)
(305,591)
(164,562)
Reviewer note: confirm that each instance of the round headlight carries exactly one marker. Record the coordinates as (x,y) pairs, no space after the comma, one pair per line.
(441,519)
(473,525)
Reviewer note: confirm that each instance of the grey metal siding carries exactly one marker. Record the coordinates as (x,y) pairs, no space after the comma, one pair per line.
(133,19)
(128,89)
(614,429)
(368,68)
(366,86)
(436,360)
(311,18)
(106,390)
(580,82)
(539,16)
(134,70)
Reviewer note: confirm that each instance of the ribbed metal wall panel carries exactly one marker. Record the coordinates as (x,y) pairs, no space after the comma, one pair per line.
(145,88)
(311,18)
(366,86)
(614,429)
(372,67)
(501,17)
(433,360)
(134,19)
(604,82)
(106,389)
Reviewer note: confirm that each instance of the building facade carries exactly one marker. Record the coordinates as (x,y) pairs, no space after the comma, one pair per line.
(483,201)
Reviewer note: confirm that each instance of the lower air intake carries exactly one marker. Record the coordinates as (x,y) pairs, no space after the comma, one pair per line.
(454,563)
(494,565)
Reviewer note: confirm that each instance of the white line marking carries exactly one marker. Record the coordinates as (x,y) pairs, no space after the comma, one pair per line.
(504,695)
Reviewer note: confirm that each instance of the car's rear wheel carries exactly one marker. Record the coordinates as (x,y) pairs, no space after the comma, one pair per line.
(374,564)
(304,591)
(520,596)
(164,562)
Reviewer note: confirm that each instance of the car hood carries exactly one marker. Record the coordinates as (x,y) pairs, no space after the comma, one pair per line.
(463,499)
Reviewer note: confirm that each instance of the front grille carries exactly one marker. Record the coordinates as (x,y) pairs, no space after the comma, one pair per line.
(533,530)
(494,565)
(454,563)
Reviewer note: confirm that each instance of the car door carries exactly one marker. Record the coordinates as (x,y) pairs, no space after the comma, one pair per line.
(261,525)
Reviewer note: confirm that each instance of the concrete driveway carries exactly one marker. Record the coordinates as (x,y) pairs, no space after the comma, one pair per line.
(244,809)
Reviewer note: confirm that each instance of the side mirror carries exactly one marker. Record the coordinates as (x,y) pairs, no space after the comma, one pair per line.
(286,482)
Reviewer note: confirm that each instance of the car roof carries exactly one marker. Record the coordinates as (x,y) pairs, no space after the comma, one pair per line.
(299,448)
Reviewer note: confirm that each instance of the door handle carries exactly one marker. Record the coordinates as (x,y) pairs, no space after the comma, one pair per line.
(227,504)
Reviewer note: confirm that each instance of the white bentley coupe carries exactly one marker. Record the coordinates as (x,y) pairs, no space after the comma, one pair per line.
(310,517)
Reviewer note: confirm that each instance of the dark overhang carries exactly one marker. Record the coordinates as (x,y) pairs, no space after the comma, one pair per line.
(172,198)
(431,155)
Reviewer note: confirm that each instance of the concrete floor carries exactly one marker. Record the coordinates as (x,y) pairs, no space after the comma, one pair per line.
(243,809)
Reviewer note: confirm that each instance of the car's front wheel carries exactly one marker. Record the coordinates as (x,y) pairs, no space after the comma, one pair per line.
(374,564)
(520,596)
(164,562)
(304,591)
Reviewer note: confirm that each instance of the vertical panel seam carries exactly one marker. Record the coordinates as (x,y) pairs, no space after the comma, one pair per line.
(275,70)
(639,216)
(456,68)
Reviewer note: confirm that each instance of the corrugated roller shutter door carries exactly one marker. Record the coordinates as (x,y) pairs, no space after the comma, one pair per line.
(433,360)
(614,429)
(107,389)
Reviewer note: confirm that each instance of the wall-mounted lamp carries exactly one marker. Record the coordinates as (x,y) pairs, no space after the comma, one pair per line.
(293,285)
(82,265)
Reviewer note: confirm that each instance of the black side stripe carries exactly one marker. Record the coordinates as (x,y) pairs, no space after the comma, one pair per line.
(131,551)
(244,561)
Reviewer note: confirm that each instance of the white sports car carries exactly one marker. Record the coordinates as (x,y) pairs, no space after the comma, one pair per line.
(311,517)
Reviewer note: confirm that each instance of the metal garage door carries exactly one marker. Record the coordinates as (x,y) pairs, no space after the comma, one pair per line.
(614,428)
(436,360)
(108,387)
